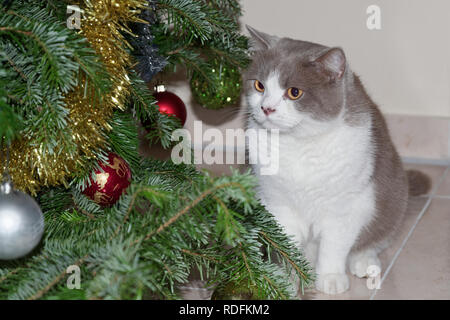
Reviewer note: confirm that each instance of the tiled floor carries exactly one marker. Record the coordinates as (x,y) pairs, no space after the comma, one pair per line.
(416,266)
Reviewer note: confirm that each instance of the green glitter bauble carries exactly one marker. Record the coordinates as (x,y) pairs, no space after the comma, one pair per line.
(225,90)
(236,291)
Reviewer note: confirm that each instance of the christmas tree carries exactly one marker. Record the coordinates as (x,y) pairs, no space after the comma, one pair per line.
(71,98)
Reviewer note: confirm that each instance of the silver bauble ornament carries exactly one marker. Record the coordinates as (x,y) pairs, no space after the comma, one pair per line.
(21,223)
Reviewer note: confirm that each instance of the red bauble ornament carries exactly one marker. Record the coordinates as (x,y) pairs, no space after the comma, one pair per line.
(168,103)
(110,184)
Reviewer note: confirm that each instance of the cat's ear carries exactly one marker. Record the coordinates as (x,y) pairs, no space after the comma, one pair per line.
(261,40)
(333,63)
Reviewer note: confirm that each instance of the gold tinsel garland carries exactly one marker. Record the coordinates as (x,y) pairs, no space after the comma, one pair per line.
(32,167)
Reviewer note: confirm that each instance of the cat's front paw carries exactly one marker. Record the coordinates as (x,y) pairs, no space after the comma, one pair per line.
(332,283)
(360,263)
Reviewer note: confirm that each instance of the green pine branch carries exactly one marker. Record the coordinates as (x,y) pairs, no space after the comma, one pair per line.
(172,218)
(196,45)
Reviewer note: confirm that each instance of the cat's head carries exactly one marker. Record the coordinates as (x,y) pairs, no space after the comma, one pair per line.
(295,84)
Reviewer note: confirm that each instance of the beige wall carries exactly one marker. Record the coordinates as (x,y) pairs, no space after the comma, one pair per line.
(405,65)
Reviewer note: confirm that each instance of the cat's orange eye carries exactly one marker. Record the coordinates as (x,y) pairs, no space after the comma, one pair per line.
(259,86)
(294,93)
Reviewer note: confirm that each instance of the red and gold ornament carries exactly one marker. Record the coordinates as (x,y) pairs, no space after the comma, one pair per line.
(110,183)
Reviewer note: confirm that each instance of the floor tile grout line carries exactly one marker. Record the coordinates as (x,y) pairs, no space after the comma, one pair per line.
(426,161)
(405,240)
(441,197)
(435,190)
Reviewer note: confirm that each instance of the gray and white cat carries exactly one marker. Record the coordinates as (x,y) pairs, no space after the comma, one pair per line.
(340,190)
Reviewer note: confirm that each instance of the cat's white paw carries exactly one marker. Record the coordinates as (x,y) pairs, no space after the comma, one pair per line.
(359,263)
(332,283)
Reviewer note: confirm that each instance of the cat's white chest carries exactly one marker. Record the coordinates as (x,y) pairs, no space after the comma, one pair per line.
(336,159)
(318,177)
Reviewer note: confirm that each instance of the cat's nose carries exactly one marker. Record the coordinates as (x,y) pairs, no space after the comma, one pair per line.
(267,110)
